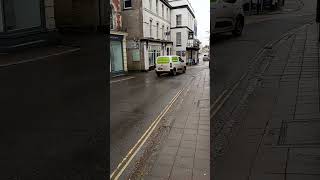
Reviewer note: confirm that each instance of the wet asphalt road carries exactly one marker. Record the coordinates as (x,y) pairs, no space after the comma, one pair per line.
(233,54)
(135,104)
(53,115)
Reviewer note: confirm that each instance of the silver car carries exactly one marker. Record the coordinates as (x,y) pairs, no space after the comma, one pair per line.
(227,16)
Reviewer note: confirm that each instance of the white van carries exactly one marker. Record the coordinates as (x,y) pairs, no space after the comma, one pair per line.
(170,64)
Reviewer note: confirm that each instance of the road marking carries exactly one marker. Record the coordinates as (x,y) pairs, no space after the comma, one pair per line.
(230,91)
(121,80)
(39,58)
(135,149)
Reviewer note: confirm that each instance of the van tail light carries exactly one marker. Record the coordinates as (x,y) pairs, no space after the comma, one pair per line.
(171,65)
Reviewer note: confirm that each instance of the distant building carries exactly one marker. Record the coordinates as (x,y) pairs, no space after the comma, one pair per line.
(148,25)
(118,51)
(24,23)
(184,30)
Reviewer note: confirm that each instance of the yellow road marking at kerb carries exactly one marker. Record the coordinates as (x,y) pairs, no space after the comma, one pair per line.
(226,97)
(134,150)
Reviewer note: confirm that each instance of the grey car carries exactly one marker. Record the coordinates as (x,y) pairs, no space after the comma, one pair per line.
(227,16)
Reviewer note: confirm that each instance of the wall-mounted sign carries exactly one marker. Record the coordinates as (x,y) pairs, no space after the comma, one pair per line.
(115,37)
(135,55)
(190,35)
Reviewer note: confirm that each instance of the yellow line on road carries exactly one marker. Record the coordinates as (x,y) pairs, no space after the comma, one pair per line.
(135,149)
(221,103)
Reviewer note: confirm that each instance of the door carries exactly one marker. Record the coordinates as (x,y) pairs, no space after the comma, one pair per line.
(116,58)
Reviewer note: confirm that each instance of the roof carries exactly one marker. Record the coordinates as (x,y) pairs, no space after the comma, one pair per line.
(166,3)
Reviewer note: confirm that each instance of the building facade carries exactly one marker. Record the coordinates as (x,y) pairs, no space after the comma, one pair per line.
(184,31)
(24,23)
(148,23)
(118,51)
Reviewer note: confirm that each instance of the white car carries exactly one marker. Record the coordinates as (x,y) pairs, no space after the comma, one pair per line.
(170,64)
(205,57)
(227,16)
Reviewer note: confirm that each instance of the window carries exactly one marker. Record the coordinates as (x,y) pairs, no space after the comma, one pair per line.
(167,15)
(162,11)
(167,33)
(178,38)
(127,4)
(162,32)
(20,14)
(157,30)
(150,28)
(178,53)
(178,20)
(150,5)
(157,8)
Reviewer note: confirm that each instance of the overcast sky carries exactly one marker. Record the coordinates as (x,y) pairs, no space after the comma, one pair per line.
(202,13)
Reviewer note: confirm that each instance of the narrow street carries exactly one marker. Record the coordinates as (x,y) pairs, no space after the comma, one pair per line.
(136,101)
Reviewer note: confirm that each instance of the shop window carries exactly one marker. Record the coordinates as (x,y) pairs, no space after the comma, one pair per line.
(127,4)
(22,14)
(116,58)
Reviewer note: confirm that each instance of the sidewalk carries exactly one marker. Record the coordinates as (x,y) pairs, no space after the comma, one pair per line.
(184,152)
(279,137)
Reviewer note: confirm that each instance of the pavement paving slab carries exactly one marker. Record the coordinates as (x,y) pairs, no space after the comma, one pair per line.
(279,136)
(185,152)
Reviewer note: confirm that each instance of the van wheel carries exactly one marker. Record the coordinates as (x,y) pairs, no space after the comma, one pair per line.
(174,72)
(184,69)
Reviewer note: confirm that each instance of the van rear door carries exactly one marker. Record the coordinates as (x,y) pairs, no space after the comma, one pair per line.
(163,63)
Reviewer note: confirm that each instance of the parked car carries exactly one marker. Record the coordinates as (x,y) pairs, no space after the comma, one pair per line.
(205,57)
(227,16)
(170,64)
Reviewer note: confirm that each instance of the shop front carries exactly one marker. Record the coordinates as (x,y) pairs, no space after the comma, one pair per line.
(24,22)
(153,49)
(117,54)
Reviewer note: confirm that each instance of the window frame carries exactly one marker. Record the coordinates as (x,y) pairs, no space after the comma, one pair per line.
(180,16)
(157,6)
(150,26)
(180,40)
(124,4)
